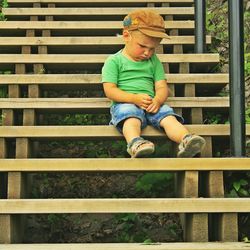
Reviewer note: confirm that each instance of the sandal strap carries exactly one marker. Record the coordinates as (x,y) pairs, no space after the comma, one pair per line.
(134,147)
(139,138)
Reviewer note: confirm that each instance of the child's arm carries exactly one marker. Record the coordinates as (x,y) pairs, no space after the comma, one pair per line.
(161,95)
(115,94)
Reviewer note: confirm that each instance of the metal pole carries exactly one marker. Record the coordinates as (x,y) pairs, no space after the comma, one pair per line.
(236,75)
(200,26)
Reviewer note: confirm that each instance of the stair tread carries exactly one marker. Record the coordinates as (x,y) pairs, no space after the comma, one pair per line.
(87,40)
(130,246)
(128,205)
(80,25)
(98,1)
(93,11)
(124,164)
(100,103)
(100,58)
(96,78)
(103,131)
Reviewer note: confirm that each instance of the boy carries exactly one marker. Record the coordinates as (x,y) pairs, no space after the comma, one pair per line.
(134,79)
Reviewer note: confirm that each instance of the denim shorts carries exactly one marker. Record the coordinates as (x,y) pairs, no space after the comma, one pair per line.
(122,111)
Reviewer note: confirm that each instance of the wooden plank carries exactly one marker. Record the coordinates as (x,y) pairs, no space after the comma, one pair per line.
(228,227)
(99,1)
(104,103)
(6,221)
(83,25)
(155,205)
(29,117)
(196,227)
(96,78)
(8,117)
(124,164)
(100,58)
(208,150)
(197,115)
(6,234)
(131,246)
(115,11)
(100,131)
(187,184)
(93,41)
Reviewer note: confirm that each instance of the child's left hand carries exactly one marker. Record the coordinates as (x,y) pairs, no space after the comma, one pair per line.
(154,106)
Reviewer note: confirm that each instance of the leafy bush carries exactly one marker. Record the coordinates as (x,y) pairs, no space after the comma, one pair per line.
(3,4)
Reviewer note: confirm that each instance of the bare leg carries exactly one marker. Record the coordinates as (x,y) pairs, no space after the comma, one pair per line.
(174,129)
(137,147)
(131,129)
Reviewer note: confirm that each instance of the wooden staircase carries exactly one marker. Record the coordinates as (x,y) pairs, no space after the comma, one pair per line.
(61,45)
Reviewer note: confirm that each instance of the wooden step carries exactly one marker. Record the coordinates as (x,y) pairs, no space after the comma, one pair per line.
(100,58)
(152,205)
(124,165)
(87,41)
(98,1)
(92,132)
(104,103)
(131,246)
(91,11)
(58,79)
(82,25)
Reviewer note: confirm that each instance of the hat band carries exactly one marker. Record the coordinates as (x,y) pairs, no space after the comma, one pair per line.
(154,28)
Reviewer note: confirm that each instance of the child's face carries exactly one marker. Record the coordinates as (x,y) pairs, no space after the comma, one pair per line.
(138,46)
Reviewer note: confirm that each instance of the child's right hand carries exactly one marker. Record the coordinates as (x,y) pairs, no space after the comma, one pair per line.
(142,100)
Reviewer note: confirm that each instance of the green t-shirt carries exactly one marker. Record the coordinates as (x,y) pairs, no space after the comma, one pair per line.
(133,77)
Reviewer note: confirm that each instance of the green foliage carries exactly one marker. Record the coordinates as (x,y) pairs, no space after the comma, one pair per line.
(247,64)
(4,89)
(246,239)
(76,119)
(84,149)
(239,184)
(248,115)
(1,119)
(215,118)
(5,72)
(247,30)
(172,230)
(128,224)
(217,27)
(3,4)
(148,242)
(55,222)
(153,184)
(3,94)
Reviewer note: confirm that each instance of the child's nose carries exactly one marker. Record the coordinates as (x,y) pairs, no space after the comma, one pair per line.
(146,52)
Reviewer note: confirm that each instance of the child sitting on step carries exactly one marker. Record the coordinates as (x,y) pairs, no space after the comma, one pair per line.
(134,79)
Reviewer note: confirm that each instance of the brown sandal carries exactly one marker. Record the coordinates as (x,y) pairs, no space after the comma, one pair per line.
(141,148)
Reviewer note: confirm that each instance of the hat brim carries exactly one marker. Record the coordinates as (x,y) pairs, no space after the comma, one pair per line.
(154,33)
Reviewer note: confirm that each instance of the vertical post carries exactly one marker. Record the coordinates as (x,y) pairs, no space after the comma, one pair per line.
(236,75)
(200,26)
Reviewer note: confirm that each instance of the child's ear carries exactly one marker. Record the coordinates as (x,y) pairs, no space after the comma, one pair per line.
(126,35)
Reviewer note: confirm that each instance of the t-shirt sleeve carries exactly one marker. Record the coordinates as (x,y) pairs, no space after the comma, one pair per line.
(159,73)
(110,70)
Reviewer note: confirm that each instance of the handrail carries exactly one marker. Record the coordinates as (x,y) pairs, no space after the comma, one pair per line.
(236,69)
(200,26)
(236,78)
